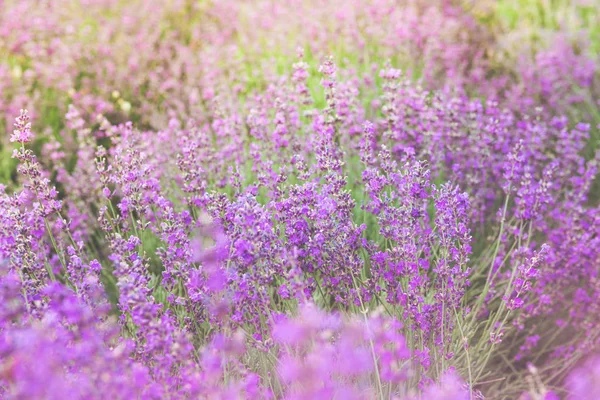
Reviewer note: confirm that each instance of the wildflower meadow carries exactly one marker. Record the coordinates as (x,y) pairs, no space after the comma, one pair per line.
(300,199)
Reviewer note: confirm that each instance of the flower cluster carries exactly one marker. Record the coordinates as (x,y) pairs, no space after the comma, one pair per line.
(296,200)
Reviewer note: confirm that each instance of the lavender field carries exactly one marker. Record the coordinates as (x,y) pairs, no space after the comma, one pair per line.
(300,199)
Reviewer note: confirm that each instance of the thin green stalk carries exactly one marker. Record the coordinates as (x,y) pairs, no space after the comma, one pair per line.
(486,288)
(364,313)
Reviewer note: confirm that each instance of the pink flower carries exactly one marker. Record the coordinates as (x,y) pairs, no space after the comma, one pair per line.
(22,132)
